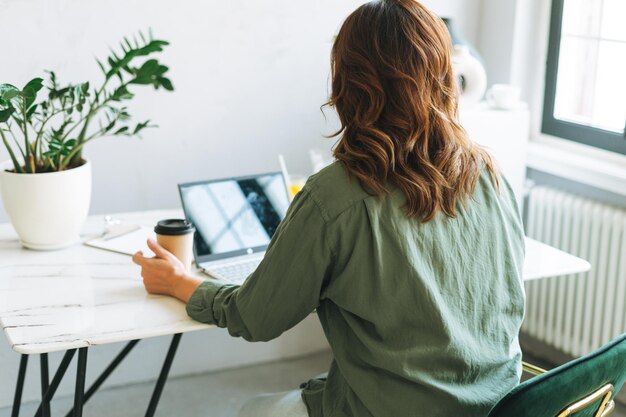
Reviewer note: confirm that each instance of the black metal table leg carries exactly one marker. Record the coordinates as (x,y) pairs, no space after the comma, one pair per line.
(19,387)
(80,396)
(158,389)
(56,380)
(81,371)
(105,374)
(45,381)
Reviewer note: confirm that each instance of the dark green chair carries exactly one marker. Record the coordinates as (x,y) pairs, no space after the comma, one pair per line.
(584,387)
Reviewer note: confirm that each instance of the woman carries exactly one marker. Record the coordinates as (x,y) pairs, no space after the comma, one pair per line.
(410,245)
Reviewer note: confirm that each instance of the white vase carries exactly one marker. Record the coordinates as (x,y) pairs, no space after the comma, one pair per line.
(47,210)
(471,72)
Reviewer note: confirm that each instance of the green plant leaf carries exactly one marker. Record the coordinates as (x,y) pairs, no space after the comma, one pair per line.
(110,125)
(112,63)
(29,92)
(31,111)
(121,130)
(54,94)
(166,83)
(149,73)
(6,114)
(8,91)
(141,126)
(58,133)
(80,92)
(121,93)
(104,71)
(53,79)
(117,64)
(127,43)
(149,67)
(36,84)
(119,114)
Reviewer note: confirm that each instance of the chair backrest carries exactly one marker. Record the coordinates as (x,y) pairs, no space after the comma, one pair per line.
(568,389)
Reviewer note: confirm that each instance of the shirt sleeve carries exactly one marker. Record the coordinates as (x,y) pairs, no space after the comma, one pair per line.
(283,290)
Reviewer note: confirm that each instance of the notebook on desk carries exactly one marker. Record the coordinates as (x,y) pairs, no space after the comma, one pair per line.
(127,240)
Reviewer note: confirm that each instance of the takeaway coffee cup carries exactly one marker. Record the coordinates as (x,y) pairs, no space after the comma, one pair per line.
(176,236)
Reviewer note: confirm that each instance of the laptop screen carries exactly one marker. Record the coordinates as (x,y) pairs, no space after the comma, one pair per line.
(234,216)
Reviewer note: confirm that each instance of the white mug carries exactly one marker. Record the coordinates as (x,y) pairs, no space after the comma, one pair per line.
(503,96)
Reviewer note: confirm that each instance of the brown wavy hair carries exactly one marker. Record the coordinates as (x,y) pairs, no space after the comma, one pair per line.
(396,96)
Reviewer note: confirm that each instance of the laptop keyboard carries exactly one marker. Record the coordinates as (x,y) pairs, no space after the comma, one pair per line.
(234,272)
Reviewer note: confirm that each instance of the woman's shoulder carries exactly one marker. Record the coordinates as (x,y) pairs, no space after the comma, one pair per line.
(334,191)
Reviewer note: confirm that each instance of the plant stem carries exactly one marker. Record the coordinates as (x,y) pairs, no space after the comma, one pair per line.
(16,164)
(74,126)
(28,161)
(32,163)
(43,124)
(64,163)
(94,107)
(17,143)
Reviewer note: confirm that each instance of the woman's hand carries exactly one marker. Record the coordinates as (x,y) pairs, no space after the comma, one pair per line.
(165,274)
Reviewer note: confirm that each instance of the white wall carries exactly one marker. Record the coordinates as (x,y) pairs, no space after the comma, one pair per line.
(530,55)
(249,76)
(465,13)
(497,25)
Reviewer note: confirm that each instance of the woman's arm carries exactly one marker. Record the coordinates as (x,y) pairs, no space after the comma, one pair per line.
(283,290)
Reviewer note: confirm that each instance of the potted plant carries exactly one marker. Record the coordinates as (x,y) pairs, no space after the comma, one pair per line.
(46,184)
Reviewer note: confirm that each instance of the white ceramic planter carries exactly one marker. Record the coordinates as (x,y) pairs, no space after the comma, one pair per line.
(47,210)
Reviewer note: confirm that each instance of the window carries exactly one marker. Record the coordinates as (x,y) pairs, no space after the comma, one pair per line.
(585,96)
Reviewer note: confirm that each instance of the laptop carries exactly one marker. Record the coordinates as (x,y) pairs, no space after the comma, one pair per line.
(235,219)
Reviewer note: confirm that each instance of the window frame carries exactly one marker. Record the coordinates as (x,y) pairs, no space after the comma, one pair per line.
(588,135)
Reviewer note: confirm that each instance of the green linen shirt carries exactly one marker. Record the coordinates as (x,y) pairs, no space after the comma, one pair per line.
(422,318)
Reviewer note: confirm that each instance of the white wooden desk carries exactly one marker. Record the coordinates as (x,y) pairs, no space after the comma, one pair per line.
(79,297)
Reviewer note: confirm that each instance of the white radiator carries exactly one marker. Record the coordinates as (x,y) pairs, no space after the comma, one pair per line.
(578,313)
